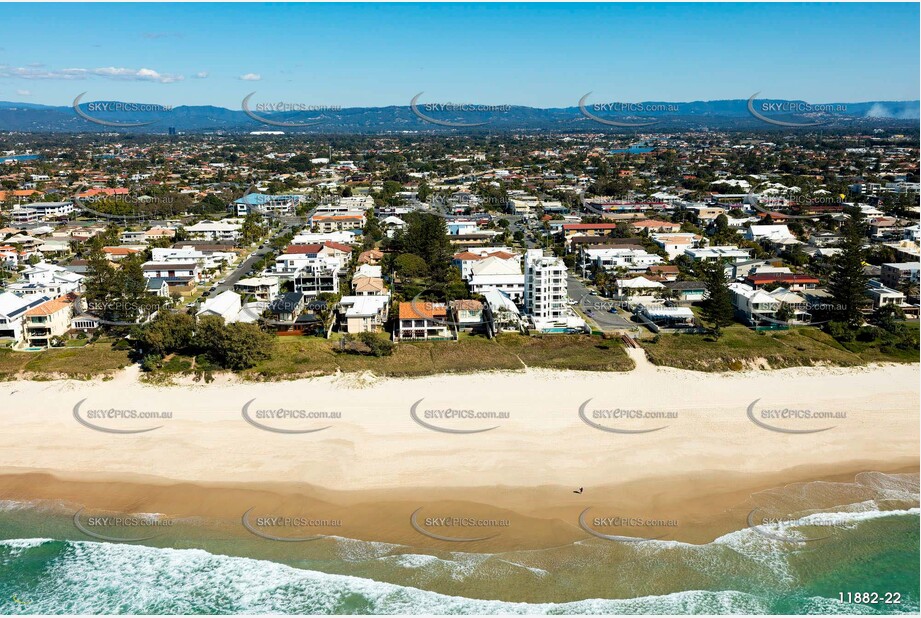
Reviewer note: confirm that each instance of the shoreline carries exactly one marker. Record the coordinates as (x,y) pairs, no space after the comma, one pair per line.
(692,470)
(703,507)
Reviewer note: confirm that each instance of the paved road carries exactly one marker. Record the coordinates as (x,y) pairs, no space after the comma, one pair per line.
(243,269)
(598,305)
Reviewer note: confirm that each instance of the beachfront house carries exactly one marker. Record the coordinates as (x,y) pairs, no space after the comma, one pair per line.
(422,321)
(363,314)
(48,320)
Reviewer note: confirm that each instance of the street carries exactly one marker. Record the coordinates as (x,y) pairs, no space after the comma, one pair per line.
(598,305)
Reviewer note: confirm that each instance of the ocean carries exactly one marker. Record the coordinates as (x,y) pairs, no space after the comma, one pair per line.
(864,544)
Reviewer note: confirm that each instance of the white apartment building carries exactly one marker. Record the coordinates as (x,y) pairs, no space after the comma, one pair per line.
(207,261)
(218,231)
(730,253)
(12,310)
(344,237)
(544,285)
(352,220)
(675,244)
(317,276)
(612,258)
(362,314)
(495,273)
(45,279)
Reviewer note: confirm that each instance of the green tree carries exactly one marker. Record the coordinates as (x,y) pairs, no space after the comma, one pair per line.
(410,266)
(252,230)
(242,346)
(169,332)
(848,281)
(209,333)
(717,307)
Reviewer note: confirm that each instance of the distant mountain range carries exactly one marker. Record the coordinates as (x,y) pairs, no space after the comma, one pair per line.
(649,116)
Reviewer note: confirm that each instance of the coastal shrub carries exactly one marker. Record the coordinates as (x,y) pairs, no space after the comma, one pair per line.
(177,365)
(840,331)
(151,362)
(366,344)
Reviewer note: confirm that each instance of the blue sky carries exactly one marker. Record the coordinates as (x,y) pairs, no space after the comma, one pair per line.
(544,55)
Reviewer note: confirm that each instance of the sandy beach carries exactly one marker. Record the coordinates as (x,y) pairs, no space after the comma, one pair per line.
(690,454)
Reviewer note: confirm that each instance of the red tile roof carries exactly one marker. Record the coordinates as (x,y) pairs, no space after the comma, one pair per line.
(339,246)
(589,226)
(763,278)
(419,309)
(303,249)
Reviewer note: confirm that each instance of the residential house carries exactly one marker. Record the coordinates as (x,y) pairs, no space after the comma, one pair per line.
(901,274)
(639,287)
(882,295)
(371,256)
(663,272)
(44,279)
(12,311)
(728,253)
(261,288)
(422,321)
(613,258)
(287,306)
(676,244)
(362,314)
(217,231)
(497,273)
(114,254)
(368,286)
(158,287)
(500,312)
(210,260)
(176,273)
(651,225)
(777,234)
(686,291)
(225,305)
(792,281)
(48,320)
(755,307)
(468,314)
(337,223)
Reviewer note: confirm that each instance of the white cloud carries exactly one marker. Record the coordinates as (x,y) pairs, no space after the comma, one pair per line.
(251,77)
(201,75)
(119,73)
(24,93)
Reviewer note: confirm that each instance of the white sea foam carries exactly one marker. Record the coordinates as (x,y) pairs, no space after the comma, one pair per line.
(106,578)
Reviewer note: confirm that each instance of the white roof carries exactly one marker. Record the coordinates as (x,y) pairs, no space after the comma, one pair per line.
(367,270)
(251,312)
(671,312)
(213,226)
(10,303)
(772,231)
(257,281)
(358,306)
(499,300)
(639,283)
(226,304)
(496,266)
